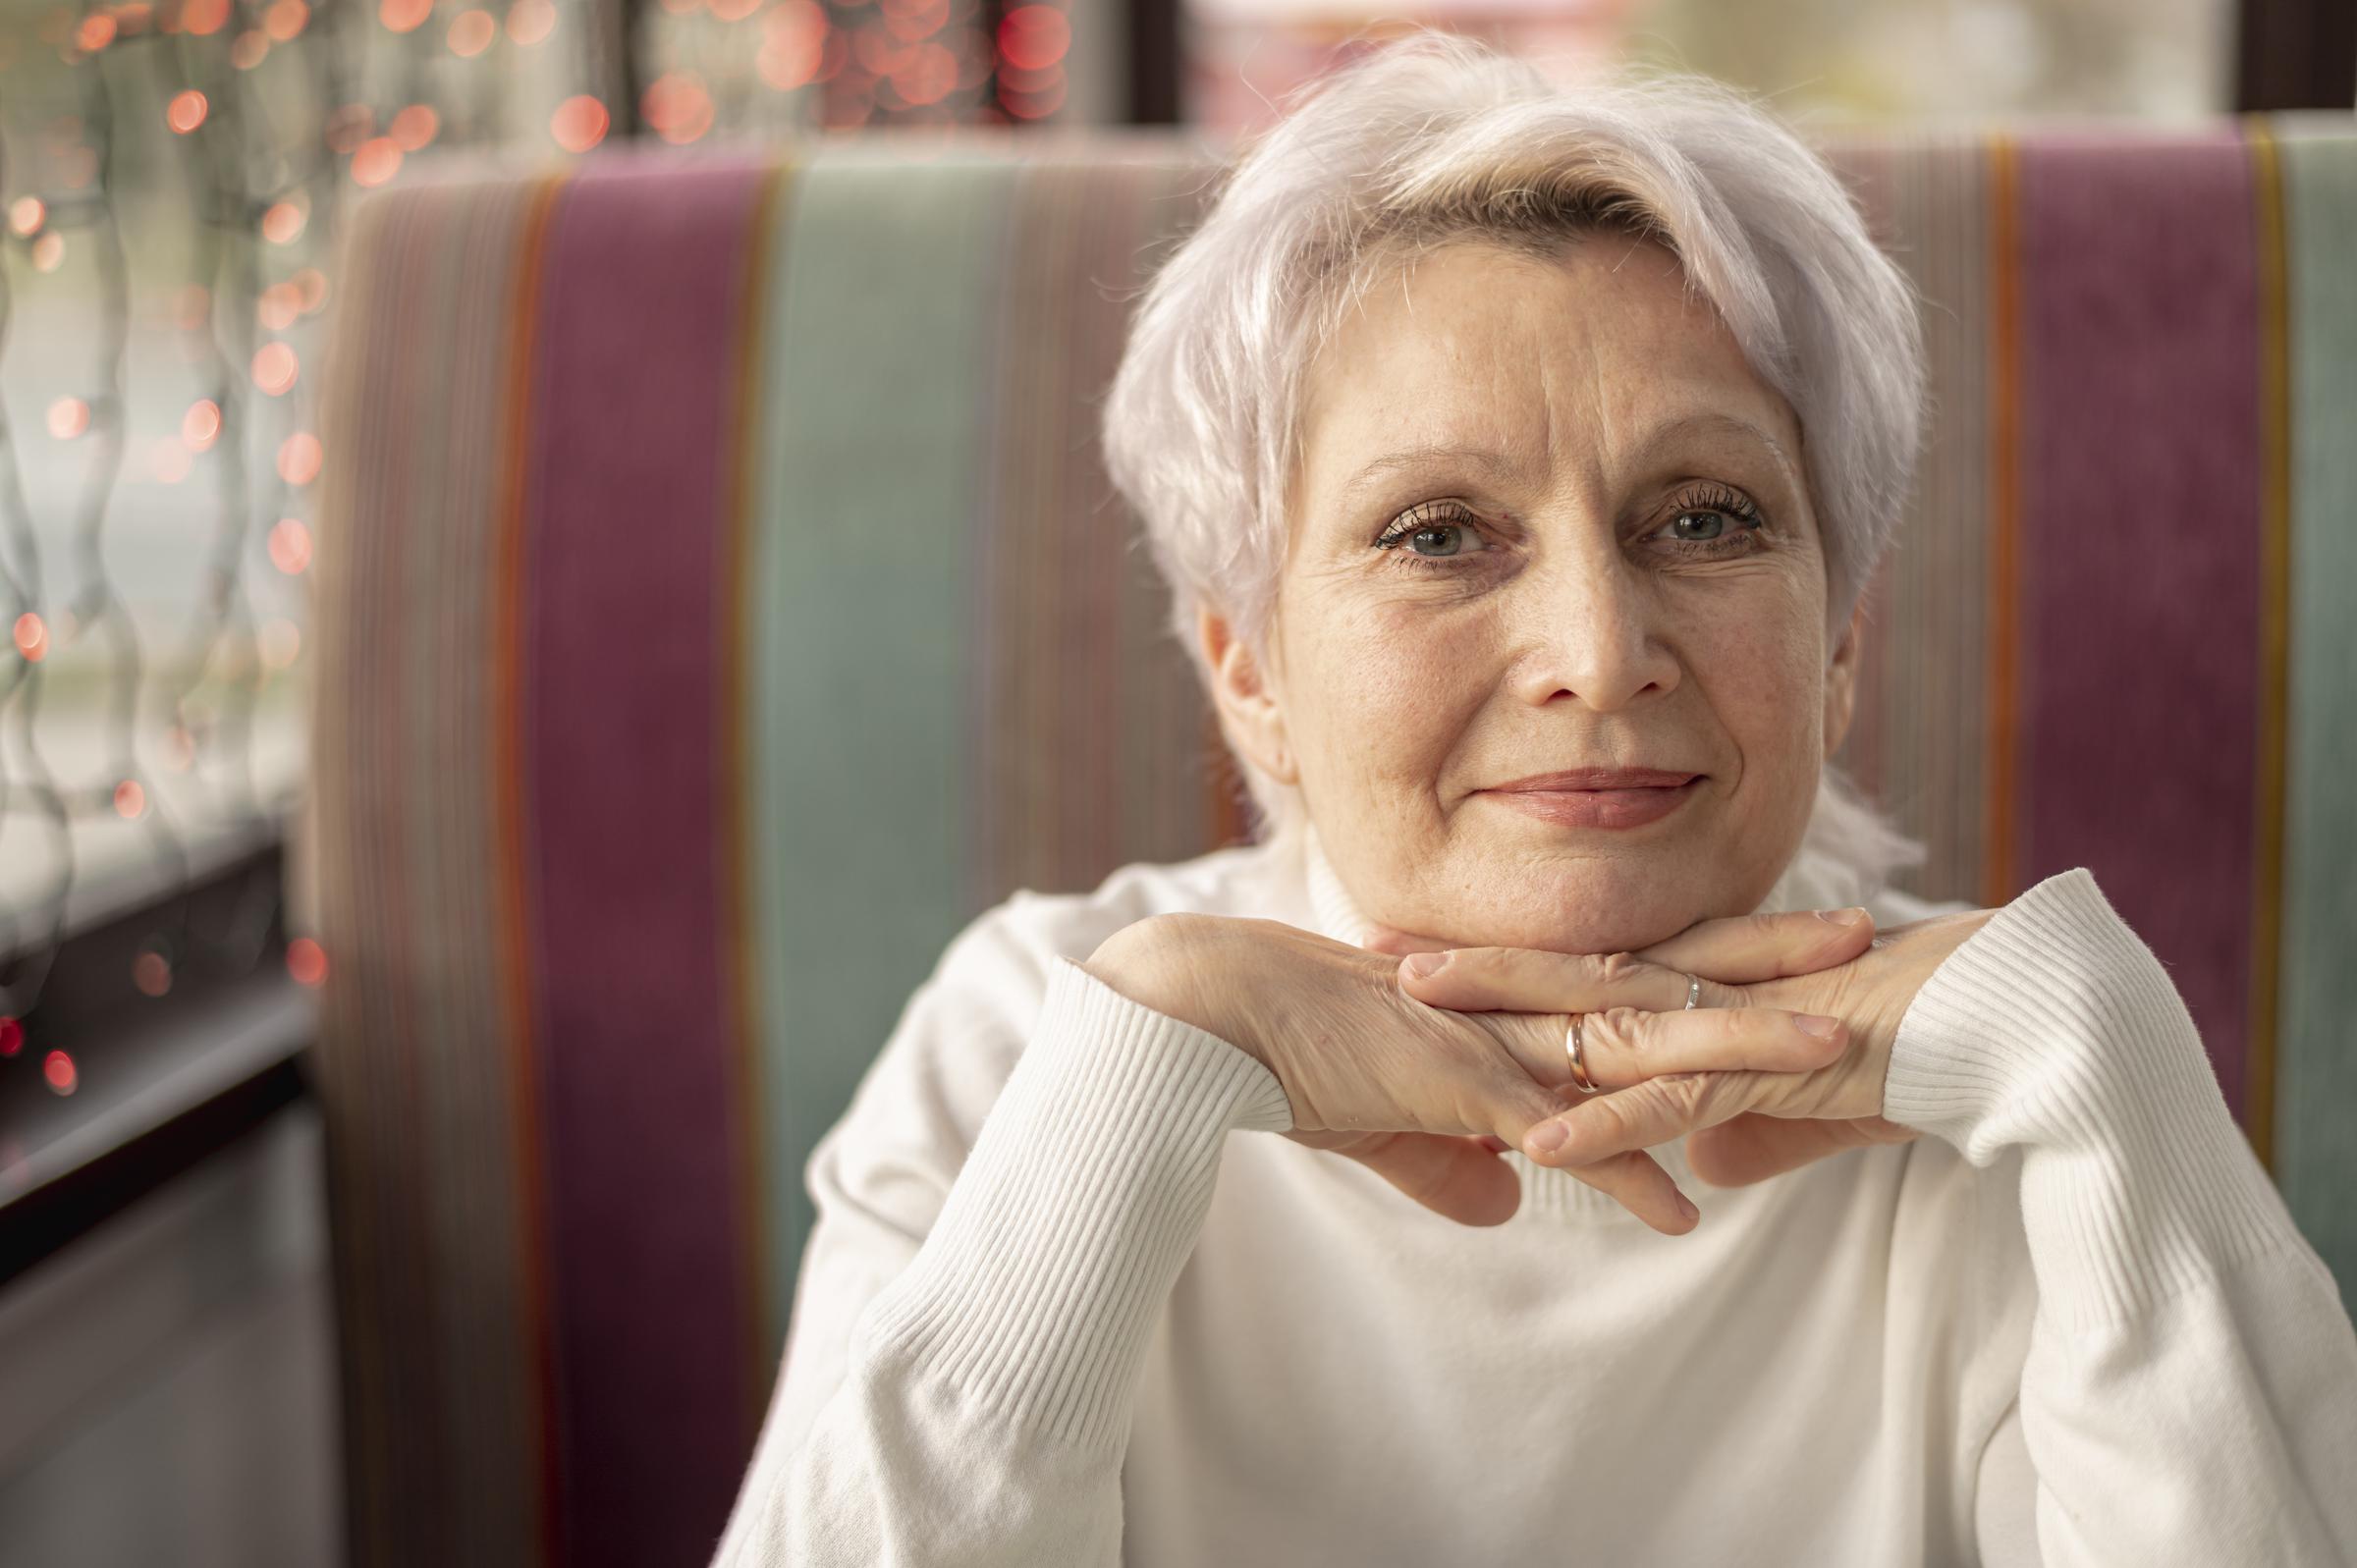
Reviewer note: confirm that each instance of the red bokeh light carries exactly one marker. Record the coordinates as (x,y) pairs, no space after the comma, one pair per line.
(200,426)
(1034,105)
(290,546)
(794,43)
(299,457)
(275,368)
(472,32)
(413,126)
(578,124)
(676,105)
(307,961)
(1034,37)
(375,161)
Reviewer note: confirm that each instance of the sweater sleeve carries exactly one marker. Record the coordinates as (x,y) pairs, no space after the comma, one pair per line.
(2189,1390)
(980,1412)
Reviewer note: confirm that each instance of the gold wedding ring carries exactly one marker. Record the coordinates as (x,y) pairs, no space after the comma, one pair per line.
(1579,1069)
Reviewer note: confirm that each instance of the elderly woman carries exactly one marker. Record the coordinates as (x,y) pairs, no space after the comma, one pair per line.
(1517,457)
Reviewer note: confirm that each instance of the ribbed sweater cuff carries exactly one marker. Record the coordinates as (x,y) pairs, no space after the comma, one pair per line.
(1057,1248)
(2054,1029)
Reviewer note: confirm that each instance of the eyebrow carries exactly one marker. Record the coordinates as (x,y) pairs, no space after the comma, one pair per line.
(1484,457)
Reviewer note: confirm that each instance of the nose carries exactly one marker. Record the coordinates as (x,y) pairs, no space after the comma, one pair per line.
(1589,626)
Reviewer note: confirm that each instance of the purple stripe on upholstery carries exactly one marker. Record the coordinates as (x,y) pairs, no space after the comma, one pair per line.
(621,794)
(2140,547)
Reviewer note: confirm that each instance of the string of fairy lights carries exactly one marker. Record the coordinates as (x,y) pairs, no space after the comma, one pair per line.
(171,177)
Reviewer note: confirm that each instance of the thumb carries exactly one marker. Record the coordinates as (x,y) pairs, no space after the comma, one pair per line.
(1458,1178)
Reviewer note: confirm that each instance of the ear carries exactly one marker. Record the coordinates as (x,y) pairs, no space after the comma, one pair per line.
(1841,680)
(1239,688)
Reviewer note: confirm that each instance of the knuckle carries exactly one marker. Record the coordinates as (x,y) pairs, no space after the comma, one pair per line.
(1618,969)
(1623,1115)
(1683,1094)
(1629,1029)
(1585,971)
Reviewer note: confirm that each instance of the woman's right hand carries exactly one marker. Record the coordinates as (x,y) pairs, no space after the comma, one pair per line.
(1427,1096)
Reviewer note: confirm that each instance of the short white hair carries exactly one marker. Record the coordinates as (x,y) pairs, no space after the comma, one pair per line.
(1437,139)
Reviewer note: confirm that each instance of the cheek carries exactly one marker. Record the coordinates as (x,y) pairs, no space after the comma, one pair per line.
(1767,689)
(1395,690)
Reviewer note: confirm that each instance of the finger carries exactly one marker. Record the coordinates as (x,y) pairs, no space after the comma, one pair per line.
(1754,1146)
(1535,979)
(1455,1177)
(1639,1183)
(1750,948)
(1632,1177)
(1398,943)
(1621,1046)
(1461,1180)
(1650,1112)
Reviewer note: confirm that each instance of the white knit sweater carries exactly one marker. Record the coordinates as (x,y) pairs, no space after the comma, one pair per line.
(1053,1313)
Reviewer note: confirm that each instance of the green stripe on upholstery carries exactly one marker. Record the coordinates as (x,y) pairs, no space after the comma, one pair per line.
(2316,1145)
(884,281)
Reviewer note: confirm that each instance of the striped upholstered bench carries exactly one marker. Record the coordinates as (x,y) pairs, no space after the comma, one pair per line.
(720,601)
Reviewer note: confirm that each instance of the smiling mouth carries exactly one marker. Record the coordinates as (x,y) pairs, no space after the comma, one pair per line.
(1615,779)
(1606,808)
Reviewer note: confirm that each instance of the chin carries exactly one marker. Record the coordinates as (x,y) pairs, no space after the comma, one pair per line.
(1605,907)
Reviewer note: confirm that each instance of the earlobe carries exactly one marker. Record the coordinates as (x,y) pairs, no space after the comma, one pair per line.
(1842,681)
(1249,713)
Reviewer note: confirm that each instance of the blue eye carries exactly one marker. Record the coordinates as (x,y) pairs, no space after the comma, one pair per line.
(1451,529)
(1443,518)
(1740,523)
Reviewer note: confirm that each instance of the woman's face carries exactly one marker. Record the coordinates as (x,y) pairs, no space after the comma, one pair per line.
(1546,518)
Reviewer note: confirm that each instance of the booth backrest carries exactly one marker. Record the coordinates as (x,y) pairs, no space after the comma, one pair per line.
(720,601)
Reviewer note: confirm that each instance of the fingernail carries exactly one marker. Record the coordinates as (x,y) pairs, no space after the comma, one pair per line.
(1426,963)
(1842,917)
(1548,1137)
(1685,1206)
(1815,1023)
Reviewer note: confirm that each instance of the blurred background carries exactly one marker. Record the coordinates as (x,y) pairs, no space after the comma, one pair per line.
(173,177)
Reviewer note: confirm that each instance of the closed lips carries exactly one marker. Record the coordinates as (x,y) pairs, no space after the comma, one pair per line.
(1603,779)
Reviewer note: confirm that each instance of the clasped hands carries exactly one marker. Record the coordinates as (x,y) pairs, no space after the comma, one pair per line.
(1426,1077)
(1754,1093)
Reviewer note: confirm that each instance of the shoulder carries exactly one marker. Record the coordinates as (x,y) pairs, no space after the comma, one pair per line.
(933,1079)
(1002,960)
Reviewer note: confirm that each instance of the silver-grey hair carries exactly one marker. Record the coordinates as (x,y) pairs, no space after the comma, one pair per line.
(1437,139)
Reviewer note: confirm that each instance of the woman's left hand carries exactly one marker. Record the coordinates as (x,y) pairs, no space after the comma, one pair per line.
(1744,1126)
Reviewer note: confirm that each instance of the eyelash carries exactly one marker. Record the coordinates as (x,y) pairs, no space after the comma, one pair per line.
(1712,498)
